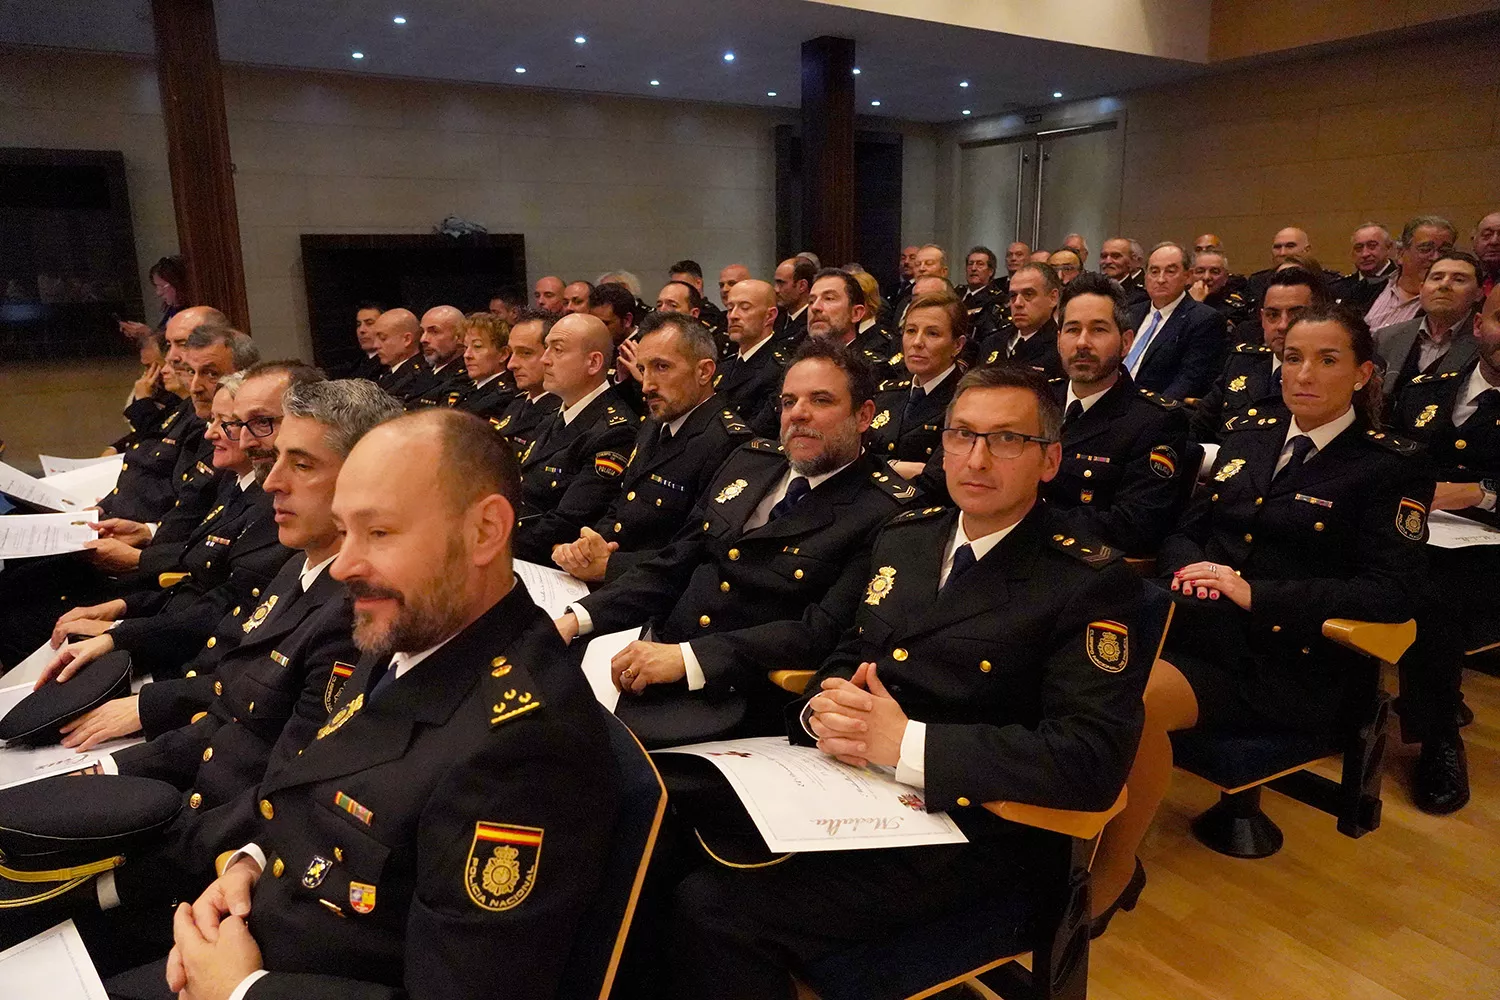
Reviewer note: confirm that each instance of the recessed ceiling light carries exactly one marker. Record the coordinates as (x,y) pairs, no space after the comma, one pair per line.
(398,19)
(874,104)
(856,71)
(963,83)
(1057,93)
(520,69)
(770,93)
(729,57)
(966,111)
(579,39)
(656,83)
(356,55)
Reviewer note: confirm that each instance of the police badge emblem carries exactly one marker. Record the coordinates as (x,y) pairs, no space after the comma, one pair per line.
(501,867)
(881,419)
(259,615)
(1231,467)
(1411,518)
(361,897)
(1237,384)
(1108,646)
(317,870)
(731,491)
(1425,417)
(881,584)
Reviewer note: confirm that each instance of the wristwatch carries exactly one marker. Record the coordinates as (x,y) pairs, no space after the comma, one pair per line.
(1488,488)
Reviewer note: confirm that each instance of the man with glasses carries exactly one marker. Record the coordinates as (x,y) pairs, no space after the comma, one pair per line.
(1374,267)
(1180,342)
(993,658)
(1422,239)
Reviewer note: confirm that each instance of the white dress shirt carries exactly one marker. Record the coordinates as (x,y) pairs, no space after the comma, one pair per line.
(484,382)
(935,381)
(1087,402)
(1468,396)
(1321,436)
(746,355)
(1166,314)
(569,413)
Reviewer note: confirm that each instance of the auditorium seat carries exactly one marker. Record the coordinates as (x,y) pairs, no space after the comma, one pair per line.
(1241,765)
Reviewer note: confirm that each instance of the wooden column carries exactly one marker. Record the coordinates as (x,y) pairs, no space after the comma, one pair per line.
(192,97)
(828,147)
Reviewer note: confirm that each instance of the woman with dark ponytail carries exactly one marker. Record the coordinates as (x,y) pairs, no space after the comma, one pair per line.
(1310,512)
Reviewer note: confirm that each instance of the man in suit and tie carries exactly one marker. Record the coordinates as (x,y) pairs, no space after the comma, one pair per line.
(1180,344)
(766,574)
(750,378)
(1442,338)
(571,472)
(1031,337)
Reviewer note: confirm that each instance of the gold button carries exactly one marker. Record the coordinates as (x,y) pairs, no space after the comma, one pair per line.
(891,446)
(124,466)
(213,641)
(724,586)
(195,800)
(1306,650)
(984,665)
(208,564)
(898,654)
(192,673)
(218,687)
(251,707)
(1088,473)
(266,811)
(705,525)
(554,484)
(277,867)
(618,526)
(1460,444)
(1252,411)
(1318,526)
(1275,628)
(658,501)
(208,754)
(1214,497)
(1259,501)
(963,801)
(255,592)
(734,554)
(703,620)
(630,495)
(1249,537)
(236,611)
(798,575)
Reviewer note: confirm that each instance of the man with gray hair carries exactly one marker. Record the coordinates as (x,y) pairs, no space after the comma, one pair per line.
(1373,267)
(690,433)
(1423,239)
(442,343)
(1180,347)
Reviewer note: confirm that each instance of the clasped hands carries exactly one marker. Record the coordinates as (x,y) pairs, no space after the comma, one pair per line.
(585,559)
(1207,580)
(213,949)
(857,721)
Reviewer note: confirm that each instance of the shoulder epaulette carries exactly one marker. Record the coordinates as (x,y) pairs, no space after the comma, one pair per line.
(1057,380)
(734,425)
(512,691)
(1251,349)
(1433,377)
(893,484)
(1394,442)
(994,356)
(764,445)
(780,356)
(895,360)
(892,384)
(920,514)
(1085,550)
(1162,401)
(616,418)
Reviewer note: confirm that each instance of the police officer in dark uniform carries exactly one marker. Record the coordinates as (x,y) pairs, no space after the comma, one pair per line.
(992,659)
(679,448)
(571,472)
(749,377)
(1457,416)
(793,283)
(1124,475)
(909,408)
(486,743)
(1031,337)
(1250,384)
(533,404)
(1212,281)
(407,376)
(836,311)
(710,315)
(767,573)
(984,296)
(489,387)
(1374,268)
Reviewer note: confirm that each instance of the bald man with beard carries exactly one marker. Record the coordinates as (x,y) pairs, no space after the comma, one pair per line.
(571,472)
(442,346)
(750,378)
(397,336)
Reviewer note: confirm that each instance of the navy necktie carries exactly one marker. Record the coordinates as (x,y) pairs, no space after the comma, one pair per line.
(798,488)
(384,681)
(1301,445)
(1075,410)
(963,558)
(913,401)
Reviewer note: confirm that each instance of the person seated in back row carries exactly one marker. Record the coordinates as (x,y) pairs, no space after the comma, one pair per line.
(909,407)
(490,386)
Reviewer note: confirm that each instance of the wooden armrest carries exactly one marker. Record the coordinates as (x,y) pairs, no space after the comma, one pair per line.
(165,580)
(1383,640)
(1074,823)
(794,681)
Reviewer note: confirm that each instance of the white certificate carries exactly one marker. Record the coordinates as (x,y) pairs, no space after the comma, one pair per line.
(596,658)
(551,588)
(23,536)
(803,800)
(32,490)
(1449,531)
(52,464)
(89,483)
(54,965)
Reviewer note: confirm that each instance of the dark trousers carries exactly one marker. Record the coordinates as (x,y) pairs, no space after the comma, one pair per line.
(1464,615)
(34,594)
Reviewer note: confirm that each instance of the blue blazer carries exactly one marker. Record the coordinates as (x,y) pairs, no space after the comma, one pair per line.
(1186,353)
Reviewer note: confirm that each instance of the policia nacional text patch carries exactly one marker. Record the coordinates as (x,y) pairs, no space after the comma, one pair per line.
(1107,644)
(502,863)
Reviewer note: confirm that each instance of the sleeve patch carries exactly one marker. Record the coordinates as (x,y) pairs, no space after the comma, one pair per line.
(610,464)
(1164,461)
(1411,518)
(500,870)
(1107,644)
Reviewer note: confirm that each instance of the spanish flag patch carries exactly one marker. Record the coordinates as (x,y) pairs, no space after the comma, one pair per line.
(610,464)
(1411,518)
(1164,461)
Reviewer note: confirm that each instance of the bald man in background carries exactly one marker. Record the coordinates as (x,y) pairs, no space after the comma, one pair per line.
(571,472)
(547,294)
(1289,241)
(728,278)
(750,378)
(442,345)
(397,336)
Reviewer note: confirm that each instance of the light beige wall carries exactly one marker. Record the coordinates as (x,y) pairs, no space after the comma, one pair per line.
(1251,27)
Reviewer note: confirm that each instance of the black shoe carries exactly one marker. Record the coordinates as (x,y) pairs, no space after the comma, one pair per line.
(1127,900)
(1441,781)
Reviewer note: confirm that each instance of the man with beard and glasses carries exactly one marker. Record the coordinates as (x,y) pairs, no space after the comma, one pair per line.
(766,572)
(401,853)
(677,450)
(1123,449)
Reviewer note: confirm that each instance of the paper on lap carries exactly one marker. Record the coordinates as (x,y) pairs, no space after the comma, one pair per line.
(24,536)
(1449,531)
(596,658)
(54,965)
(552,589)
(53,464)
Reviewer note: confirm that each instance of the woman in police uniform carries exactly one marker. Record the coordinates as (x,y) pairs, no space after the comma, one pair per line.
(909,409)
(1319,515)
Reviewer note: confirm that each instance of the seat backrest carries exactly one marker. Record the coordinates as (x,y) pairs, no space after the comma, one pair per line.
(600,939)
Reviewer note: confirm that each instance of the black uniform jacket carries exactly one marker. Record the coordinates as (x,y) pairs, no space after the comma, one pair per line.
(1466,454)
(1124,463)
(909,433)
(873,345)
(571,473)
(488,400)
(452,377)
(410,380)
(1024,669)
(1341,537)
(790,332)
(749,601)
(1038,351)
(664,479)
(145,416)
(523,416)
(405,844)
(753,388)
(1247,384)
(152,469)
(232,552)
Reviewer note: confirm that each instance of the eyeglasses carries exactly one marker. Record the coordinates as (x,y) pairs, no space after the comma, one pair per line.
(258,427)
(1428,249)
(1000,444)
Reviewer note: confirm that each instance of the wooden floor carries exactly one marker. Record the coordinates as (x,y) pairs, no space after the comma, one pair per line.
(1409,911)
